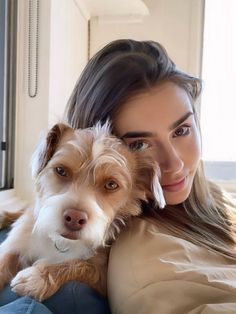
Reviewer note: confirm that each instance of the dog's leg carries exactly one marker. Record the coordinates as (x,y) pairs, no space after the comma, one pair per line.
(9,266)
(13,247)
(8,217)
(43,280)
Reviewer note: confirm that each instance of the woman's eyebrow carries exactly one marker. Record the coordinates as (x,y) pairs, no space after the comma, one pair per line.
(180,120)
(136,134)
(143,134)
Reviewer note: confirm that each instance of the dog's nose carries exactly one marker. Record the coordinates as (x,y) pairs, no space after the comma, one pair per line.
(75,219)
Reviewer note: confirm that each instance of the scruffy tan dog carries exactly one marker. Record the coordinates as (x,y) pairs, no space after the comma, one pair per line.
(88,183)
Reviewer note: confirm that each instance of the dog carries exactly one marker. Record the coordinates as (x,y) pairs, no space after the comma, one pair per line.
(88,184)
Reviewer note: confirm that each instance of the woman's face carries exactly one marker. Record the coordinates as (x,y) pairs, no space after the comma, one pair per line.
(162,118)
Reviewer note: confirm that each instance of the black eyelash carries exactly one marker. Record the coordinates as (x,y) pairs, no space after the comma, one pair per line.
(188,127)
(134,143)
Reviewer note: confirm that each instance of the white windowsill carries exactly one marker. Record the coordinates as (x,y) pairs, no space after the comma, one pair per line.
(6,195)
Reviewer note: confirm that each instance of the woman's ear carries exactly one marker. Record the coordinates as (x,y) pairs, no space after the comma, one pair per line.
(47,148)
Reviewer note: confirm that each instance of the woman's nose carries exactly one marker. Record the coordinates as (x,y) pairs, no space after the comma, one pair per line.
(169,159)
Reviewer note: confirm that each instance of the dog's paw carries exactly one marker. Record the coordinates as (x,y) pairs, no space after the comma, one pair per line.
(31,281)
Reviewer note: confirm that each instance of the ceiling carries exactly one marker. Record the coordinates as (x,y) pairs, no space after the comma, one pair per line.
(106,8)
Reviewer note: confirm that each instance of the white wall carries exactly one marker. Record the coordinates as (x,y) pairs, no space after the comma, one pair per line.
(177,24)
(62,55)
(68,53)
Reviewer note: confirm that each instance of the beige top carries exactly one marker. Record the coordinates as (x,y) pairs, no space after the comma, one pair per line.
(153,272)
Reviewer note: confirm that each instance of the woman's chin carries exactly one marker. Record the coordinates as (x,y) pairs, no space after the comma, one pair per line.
(175,198)
(179,196)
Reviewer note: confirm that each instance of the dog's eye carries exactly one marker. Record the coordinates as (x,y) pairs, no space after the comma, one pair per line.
(111,185)
(61,171)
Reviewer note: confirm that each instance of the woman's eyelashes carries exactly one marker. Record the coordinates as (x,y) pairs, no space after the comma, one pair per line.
(139,145)
(183,130)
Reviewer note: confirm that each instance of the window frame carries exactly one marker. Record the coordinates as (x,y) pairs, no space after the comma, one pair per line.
(9,95)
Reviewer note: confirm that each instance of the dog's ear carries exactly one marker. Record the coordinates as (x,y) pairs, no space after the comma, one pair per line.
(149,178)
(47,148)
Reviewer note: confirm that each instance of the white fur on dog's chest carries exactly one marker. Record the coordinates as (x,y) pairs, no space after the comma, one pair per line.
(43,247)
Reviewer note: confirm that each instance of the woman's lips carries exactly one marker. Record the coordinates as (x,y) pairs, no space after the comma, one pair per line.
(175,187)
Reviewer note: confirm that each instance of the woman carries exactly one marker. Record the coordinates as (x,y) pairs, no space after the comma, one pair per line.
(180,259)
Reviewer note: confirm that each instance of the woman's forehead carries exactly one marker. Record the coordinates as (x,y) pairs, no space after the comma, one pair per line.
(159,107)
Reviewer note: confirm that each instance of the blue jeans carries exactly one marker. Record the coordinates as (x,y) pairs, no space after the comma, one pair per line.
(72,298)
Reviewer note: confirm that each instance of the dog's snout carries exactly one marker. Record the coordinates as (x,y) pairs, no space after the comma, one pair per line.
(75,219)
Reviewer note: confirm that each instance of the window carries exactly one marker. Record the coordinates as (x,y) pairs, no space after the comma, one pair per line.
(8,22)
(218,105)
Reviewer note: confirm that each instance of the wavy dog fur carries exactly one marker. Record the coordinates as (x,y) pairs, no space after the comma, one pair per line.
(88,184)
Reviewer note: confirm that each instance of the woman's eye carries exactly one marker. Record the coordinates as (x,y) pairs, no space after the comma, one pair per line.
(61,171)
(182,131)
(111,185)
(138,145)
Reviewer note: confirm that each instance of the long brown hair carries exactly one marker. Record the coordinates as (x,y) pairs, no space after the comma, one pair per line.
(117,72)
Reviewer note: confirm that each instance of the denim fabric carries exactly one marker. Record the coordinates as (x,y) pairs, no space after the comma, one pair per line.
(72,298)
(76,297)
(24,305)
(3,234)
(7,296)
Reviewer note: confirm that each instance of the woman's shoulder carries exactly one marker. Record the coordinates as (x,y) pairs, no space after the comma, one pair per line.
(146,262)
(143,237)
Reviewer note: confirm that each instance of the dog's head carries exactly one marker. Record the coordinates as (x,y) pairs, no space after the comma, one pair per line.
(88,183)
